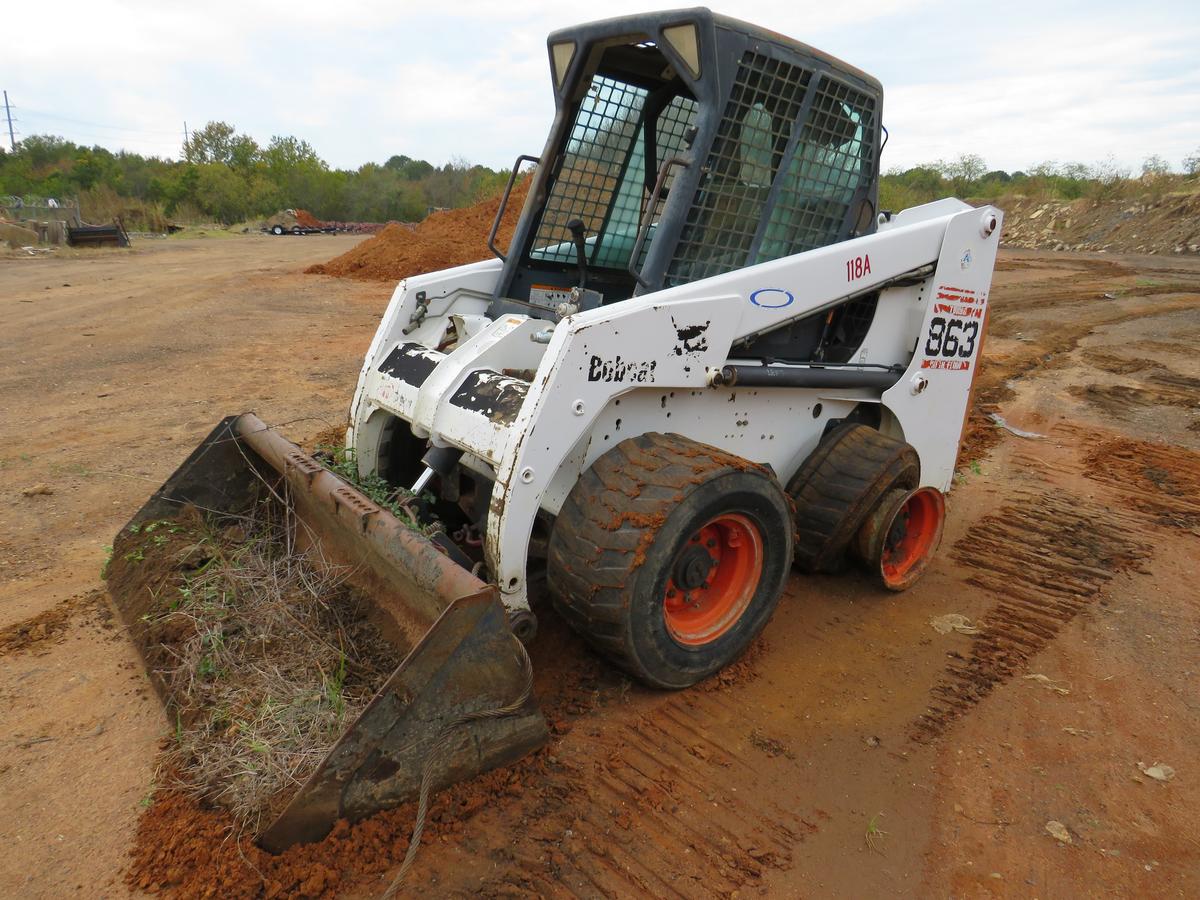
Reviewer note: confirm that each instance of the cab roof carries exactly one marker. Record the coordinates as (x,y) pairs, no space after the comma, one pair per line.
(712,25)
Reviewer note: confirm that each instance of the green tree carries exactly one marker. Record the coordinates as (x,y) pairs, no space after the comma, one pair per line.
(227,176)
(219,142)
(221,193)
(409,169)
(963,172)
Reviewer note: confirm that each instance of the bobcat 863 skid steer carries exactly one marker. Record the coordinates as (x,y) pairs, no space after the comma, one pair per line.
(706,356)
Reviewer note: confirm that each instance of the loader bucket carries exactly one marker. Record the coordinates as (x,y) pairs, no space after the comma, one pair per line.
(459,654)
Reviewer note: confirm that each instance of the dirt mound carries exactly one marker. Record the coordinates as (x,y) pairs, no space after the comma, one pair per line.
(450,238)
(1170,224)
(305,219)
(184,849)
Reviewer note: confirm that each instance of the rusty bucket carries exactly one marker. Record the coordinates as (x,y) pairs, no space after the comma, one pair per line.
(463,665)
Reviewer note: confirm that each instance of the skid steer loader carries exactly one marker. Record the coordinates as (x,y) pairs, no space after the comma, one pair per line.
(705,357)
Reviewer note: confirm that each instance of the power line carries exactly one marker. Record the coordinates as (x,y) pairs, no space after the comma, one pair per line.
(110,141)
(45,115)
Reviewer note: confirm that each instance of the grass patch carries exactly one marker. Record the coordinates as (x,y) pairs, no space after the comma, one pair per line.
(400,502)
(875,835)
(266,654)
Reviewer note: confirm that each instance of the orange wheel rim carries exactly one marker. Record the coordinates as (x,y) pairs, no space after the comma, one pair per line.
(912,536)
(713,579)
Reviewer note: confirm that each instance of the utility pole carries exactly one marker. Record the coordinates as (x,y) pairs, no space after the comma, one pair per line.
(185,137)
(12,138)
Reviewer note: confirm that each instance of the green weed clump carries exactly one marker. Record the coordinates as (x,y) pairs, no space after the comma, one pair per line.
(399,501)
(267,656)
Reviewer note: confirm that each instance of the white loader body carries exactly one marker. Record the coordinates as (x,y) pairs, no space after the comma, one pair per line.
(652,363)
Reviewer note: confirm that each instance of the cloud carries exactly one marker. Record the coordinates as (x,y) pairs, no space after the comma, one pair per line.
(1108,92)
(361,81)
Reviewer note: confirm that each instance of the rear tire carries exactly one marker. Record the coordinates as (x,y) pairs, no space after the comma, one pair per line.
(276,229)
(654,520)
(839,484)
(898,539)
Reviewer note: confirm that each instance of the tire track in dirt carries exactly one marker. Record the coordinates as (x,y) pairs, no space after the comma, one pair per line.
(659,807)
(1159,480)
(1123,399)
(1048,319)
(1044,557)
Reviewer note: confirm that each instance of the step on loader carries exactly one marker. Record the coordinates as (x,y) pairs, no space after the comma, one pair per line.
(706,357)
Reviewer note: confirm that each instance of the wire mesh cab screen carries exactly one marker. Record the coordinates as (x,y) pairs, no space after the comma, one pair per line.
(793,151)
(601,178)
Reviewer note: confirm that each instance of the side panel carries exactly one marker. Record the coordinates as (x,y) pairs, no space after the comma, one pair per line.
(931,400)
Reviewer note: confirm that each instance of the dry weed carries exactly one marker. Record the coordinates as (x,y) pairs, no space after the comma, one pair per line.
(272,657)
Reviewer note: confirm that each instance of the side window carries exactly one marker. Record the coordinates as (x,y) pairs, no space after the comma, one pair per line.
(752,136)
(834,157)
(755,148)
(829,167)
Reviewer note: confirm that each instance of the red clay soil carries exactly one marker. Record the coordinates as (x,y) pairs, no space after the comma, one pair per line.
(445,239)
(35,634)
(305,219)
(184,848)
(188,850)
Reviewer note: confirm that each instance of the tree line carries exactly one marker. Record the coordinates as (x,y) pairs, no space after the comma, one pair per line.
(228,177)
(968,176)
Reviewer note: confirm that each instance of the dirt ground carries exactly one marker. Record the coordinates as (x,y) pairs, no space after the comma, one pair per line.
(855,752)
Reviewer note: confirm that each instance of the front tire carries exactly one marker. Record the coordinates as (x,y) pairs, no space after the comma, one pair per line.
(670,556)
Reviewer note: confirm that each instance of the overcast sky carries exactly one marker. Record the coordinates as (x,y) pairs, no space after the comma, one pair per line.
(1015,82)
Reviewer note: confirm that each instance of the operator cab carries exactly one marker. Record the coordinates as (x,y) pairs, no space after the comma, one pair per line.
(685,145)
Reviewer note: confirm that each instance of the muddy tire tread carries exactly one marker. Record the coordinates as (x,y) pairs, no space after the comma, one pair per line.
(607,526)
(837,486)
(615,485)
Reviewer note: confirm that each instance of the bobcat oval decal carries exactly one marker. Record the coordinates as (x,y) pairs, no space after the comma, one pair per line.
(772,298)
